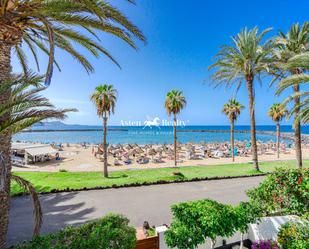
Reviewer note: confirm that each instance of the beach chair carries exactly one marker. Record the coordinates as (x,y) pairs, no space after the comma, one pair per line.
(117,163)
(127,161)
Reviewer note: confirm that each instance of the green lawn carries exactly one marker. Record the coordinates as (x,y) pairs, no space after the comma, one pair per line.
(46,182)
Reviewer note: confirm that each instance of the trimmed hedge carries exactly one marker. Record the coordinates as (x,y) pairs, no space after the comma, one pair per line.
(109,232)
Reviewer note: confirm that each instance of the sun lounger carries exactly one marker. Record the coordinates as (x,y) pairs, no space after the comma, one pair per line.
(143,161)
(128,161)
(117,163)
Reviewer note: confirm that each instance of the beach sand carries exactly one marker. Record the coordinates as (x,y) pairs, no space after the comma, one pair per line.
(78,159)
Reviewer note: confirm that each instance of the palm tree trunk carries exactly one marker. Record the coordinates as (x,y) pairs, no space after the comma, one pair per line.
(252,124)
(232,140)
(105,145)
(175,141)
(5,148)
(297,132)
(278,139)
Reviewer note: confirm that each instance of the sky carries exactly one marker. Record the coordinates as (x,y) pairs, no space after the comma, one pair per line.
(182,39)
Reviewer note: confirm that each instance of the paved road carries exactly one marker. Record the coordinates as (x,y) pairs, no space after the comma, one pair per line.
(150,203)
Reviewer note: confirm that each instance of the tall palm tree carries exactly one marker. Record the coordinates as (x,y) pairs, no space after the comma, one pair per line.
(232,110)
(295,42)
(244,61)
(45,26)
(23,108)
(174,103)
(277,112)
(104,98)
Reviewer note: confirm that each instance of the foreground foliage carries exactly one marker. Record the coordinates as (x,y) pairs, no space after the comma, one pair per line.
(283,192)
(25,107)
(196,221)
(109,232)
(294,235)
(47,25)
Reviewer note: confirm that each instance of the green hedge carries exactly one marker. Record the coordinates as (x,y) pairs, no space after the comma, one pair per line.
(109,232)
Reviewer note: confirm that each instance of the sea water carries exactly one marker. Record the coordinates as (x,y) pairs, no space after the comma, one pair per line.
(147,135)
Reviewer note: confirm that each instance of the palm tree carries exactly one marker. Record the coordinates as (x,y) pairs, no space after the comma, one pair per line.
(232,110)
(277,112)
(23,108)
(104,98)
(244,61)
(174,103)
(295,42)
(302,62)
(45,26)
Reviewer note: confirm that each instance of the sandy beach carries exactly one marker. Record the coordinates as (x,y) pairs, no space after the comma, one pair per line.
(76,158)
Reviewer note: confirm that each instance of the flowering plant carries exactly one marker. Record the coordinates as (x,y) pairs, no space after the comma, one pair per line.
(294,235)
(283,192)
(265,244)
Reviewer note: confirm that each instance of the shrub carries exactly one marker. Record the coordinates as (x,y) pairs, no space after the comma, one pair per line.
(109,232)
(283,192)
(245,213)
(197,220)
(294,235)
(265,244)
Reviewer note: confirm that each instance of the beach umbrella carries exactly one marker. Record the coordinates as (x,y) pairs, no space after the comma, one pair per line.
(158,150)
(128,147)
(152,152)
(140,150)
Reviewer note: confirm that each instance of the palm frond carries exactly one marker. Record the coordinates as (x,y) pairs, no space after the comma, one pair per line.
(21,58)
(37,209)
(25,106)
(51,24)
(246,58)
(298,61)
(292,80)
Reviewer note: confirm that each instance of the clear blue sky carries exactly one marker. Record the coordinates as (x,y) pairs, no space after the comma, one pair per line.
(183,36)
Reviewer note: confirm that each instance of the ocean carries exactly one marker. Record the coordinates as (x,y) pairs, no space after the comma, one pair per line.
(147,135)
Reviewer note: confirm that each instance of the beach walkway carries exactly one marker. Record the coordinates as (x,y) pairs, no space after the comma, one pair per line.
(151,203)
